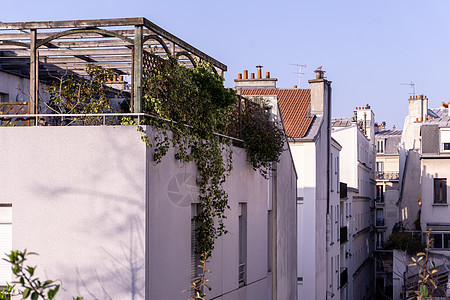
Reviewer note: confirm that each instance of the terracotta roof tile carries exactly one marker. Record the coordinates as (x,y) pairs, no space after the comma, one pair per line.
(294,104)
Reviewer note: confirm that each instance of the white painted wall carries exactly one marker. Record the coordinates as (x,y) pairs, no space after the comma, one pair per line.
(434,213)
(110,223)
(357,170)
(304,155)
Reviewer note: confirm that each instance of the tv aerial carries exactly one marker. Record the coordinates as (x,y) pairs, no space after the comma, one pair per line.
(411,84)
(300,73)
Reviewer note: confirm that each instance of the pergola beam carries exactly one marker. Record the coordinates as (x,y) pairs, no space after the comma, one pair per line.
(73,23)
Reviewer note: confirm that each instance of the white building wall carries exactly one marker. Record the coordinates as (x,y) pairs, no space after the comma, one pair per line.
(110,223)
(304,155)
(357,163)
(347,138)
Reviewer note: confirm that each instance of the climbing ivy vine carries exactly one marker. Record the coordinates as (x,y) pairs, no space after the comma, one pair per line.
(194,106)
(198,107)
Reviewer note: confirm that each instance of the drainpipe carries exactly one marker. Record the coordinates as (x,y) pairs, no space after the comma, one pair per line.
(274,233)
(328,143)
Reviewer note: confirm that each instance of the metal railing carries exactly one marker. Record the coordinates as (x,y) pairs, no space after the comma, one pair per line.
(242,273)
(379,199)
(101,119)
(387,175)
(380,222)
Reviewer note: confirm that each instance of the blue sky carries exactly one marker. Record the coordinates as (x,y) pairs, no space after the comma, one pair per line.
(366,47)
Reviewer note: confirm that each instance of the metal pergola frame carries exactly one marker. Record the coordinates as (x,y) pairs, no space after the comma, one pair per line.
(41,51)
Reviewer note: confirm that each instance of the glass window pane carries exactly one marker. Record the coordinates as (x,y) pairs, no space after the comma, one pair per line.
(437,243)
(446,243)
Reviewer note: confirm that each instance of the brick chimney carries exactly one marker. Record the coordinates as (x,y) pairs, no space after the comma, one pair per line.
(255,83)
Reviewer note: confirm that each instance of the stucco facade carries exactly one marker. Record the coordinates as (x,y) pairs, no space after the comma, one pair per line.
(111,223)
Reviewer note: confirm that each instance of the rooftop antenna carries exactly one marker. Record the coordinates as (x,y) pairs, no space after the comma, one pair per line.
(411,84)
(300,73)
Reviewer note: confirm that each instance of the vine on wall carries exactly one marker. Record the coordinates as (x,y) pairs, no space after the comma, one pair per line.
(198,107)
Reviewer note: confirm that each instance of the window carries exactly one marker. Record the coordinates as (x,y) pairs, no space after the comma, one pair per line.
(441,240)
(337,174)
(440,190)
(337,270)
(379,217)
(5,241)
(4,97)
(380,195)
(380,146)
(331,225)
(331,275)
(242,270)
(195,257)
(331,173)
(380,166)
(446,146)
(379,240)
(337,223)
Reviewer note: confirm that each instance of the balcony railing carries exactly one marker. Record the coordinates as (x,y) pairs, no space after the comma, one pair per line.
(344,234)
(379,245)
(343,190)
(380,222)
(344,276)
(242,273)
(387,176)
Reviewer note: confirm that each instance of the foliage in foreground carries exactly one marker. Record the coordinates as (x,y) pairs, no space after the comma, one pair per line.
(426,284)
(27,285)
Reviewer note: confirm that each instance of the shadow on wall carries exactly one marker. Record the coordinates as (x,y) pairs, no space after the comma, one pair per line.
(94,226)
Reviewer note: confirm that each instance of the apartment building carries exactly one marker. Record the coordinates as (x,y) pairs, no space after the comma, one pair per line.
(435,171)
(356,135)
(306,116)
(387,177)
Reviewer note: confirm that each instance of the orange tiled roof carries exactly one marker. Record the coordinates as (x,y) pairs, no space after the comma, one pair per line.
(293,105)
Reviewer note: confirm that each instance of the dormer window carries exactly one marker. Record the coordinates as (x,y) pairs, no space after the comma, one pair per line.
(380,146)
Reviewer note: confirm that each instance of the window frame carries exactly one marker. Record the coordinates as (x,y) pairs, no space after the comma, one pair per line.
(381,150)
(441,196)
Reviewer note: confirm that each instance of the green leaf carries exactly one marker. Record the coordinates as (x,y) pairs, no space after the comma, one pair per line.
(52,293)
(26,293)
(47,283)
(423,291)
(35,296)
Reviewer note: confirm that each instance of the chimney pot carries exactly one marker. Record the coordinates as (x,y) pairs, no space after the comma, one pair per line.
(239,76)
(245,74)
(259,73)
(114,77)
(253,75)
(267,74)
(295,86)
(121,78)
(417,119)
